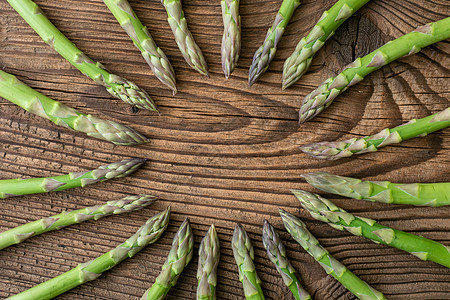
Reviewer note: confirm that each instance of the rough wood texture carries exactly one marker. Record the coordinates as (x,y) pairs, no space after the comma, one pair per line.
(222,152)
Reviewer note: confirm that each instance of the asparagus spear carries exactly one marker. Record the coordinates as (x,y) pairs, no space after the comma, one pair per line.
(333,267)
(147,234)
(231,39)
(277,255)
(422,194)
(244,254)
(185,41)
(298,63)
(142,39)
(19,186)
(410,43)
(414,128)
(114,207)
(117,86)
(179,256)
(324,210)
(17,92)
(266,52)
(208,260)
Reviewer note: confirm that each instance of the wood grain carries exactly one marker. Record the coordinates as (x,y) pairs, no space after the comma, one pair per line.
(222,152)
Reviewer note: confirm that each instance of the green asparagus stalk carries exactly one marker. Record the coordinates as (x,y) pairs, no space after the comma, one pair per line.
(421,194)
(114,207)
(142,39)
(179,257)
(208,260)
(147,234)
(17,92)
(298,63)
(266,52)
(185,41)
(410,43)
(117,86)
(333,267)
(324,210)
(277,255)
(231,39)
(244,255)
(414,128)
(19,186)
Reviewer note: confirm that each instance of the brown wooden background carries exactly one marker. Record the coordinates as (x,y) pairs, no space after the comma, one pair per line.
(222,152)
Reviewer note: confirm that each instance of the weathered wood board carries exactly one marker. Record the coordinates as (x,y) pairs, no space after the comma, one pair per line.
(222,152)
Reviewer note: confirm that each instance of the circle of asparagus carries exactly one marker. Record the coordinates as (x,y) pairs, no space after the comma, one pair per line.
(142,39)
(179,257)
(117,86)
(14,90)
(244,255)
(231,38)
(127,204)
(421,194)
(414,128)
(266,52)
(185,41)
(208,260)
(19,186)
(324,210)
(277,255)
(410,43)
(84,272)
(298,63)
(333,267)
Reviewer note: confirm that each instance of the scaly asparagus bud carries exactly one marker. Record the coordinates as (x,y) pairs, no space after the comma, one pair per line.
(231,39)
(208,260)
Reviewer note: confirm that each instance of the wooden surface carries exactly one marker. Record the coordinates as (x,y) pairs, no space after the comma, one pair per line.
(222,152)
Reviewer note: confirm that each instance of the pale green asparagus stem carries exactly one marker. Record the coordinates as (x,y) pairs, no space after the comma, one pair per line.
(231,39)
(117,86)
(277,255)
(410,43)
(18,187)
(414,128)
(179,256)
(422,194)
(185,41)
(333,267)
(142,39)
(324,210)
(17,92)
(147,234)
(298,63)
(114,207)
(208,260)
(244,255)
(266,52)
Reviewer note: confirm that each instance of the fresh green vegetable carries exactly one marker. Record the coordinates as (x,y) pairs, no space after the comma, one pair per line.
(147,234)
(179,256)
(117,86)
(414,128)
(244,255)
(114,207)
(266,52)
(185,41)
(17,92)
(19,186)
(208,260)
(298,63)
(333,267)
(142,39)
(231,39)
(277,255)
(324,210)
(423,194)
(410,43)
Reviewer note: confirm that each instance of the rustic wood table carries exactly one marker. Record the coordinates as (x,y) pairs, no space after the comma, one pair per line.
(222,152)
